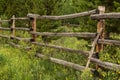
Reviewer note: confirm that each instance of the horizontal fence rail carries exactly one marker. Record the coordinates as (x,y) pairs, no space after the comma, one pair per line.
(4,21)
(63,62)
(87,13)
(71,34)
(21,18)
(62,48)
(106,65)
(4,36)
(106,16)
(22,28)
(3,28)
(14,45)
(19,46)
(16,28)
(20,39)
(110,42)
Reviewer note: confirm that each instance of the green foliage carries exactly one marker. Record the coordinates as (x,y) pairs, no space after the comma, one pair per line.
(4,17)
(117,5)
(21,66)
(18,64)
(86,75)
(2,60)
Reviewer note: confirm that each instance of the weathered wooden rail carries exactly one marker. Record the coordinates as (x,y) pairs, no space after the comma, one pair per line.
(106,16)
(96,46)
(71,34)
(76,15)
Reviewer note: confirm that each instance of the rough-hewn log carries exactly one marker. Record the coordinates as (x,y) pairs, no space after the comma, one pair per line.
(93,47)
(100,24)
(64,63)
(111,42)
(106,65)
(62,48)
(16,28)
(82,34)
(21,18)
(13,26)
(20,39)
(3,28)
(106,16)
(19,46)
(63,16)
(21,28)
(15,45)
(4,21)
(33,28)
(4,36)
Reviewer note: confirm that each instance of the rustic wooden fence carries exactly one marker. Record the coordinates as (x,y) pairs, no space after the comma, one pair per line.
(96,46)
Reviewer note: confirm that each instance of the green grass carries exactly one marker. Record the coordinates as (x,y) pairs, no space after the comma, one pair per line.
(16,64)
(19,64)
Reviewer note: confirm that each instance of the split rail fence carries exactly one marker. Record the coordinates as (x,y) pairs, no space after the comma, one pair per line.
(96,46)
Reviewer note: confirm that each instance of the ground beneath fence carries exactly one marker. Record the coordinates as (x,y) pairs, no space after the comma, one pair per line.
(17,64)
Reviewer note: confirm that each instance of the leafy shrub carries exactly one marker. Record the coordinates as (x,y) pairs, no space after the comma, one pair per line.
(86,75)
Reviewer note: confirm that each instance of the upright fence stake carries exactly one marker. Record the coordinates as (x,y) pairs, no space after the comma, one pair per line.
(99,35)
(0,22)
(13,26)
(33,28)
(100,24)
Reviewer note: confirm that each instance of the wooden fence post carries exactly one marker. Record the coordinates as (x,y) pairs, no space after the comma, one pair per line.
(100,24)
(0,22)
(13,26)
(33,28)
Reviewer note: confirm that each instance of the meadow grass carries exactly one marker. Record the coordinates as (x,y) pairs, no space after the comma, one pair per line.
(20,64)
(17,64)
